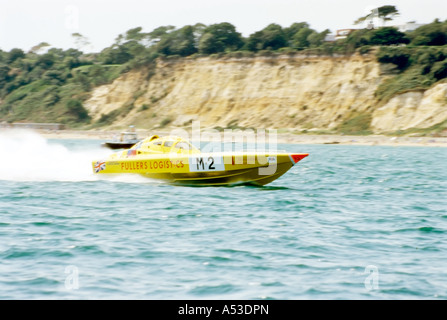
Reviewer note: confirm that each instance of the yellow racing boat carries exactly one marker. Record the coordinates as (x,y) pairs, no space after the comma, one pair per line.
(177,161)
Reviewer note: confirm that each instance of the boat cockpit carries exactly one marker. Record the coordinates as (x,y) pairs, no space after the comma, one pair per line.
(168,144)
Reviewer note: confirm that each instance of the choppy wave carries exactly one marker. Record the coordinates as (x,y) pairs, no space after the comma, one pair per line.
(348,222)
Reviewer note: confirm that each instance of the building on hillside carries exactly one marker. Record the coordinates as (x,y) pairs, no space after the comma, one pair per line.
(330,37)
(339,34)
(408,26)
(343,33)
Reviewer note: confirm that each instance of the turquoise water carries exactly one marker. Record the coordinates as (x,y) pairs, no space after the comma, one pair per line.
(347,222)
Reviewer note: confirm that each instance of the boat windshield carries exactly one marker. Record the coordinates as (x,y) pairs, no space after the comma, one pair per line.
(166,145)
(183,145)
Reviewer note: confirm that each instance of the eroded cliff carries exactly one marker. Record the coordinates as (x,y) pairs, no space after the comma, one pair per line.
(297,93)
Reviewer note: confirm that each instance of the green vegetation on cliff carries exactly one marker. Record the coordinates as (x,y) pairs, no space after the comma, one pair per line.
(51,86)
(418,68)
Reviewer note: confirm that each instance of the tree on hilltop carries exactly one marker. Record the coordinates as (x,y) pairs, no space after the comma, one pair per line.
(39,47)
(294,28)
(384,13)
(14,54)
(220,37)
(81,41)
(432,34)
(178,42)
(388,36)
(158,33)
(271,37)
(135,34)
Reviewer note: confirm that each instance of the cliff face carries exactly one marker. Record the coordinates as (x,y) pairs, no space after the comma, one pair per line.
(417,109)
(300,93)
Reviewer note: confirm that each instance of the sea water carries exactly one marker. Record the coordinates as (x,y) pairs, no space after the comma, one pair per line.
(347,222)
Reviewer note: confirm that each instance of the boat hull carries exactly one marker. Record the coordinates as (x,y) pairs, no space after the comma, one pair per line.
(202,169)
(119,145)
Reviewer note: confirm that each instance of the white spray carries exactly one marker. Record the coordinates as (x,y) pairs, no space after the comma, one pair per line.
(27,156)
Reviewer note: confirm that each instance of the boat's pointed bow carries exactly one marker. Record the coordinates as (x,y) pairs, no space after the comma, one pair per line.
(297,157)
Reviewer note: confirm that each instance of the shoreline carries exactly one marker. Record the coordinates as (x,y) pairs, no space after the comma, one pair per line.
(282,138)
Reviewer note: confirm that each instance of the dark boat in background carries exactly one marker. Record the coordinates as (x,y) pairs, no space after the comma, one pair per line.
(125,141)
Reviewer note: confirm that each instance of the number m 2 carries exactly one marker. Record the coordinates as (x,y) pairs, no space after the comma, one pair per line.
(199,161)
